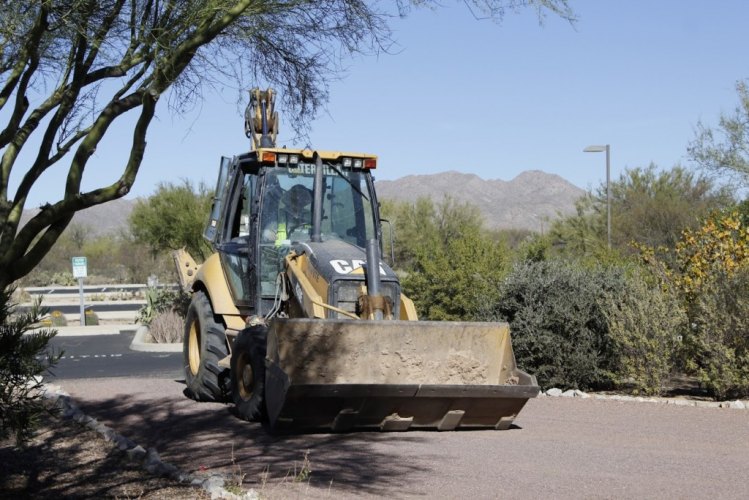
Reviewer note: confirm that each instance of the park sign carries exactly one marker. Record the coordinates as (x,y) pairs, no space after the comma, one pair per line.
(79,267)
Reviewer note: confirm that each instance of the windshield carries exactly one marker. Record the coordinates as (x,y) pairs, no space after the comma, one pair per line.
(346,208)
(287,210)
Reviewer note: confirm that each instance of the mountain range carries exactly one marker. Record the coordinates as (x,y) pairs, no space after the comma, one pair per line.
(529,201)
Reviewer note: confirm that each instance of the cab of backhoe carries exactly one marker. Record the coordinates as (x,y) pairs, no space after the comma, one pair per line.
(273,201)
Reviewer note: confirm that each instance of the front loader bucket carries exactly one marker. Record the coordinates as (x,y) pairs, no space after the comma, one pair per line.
(392,375)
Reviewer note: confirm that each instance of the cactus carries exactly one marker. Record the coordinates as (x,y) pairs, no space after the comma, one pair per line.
(57,319)
(91,318)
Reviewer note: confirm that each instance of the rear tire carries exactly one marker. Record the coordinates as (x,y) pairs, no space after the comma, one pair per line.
(248,373)
(204,346)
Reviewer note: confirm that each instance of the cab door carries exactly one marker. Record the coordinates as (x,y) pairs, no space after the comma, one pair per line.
(232,232)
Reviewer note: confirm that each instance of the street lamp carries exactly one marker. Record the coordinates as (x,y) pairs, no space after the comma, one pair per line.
(607,149)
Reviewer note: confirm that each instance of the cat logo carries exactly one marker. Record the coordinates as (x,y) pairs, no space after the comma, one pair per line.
(354,267)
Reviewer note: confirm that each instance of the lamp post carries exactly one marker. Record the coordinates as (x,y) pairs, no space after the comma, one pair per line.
(607,149)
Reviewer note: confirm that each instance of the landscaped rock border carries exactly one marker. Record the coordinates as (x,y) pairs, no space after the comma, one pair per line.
(148,458)
(576,393)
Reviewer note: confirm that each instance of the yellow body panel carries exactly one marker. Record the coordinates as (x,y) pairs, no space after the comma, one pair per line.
(408,309)
(212,278)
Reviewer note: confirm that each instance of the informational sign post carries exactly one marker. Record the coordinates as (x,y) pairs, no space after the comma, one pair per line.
(80,271)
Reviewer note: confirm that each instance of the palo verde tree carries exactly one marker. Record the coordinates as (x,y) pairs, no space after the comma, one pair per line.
(725,150)
(172,218)
(70,68)
(648,207)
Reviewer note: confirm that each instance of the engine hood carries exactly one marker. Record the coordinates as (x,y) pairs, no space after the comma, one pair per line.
(338,260)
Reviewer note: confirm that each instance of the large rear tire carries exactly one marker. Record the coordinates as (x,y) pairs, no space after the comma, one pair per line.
(203,347)
(248,373)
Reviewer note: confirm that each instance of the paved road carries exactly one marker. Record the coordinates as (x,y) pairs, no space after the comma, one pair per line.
(96,356)
(75,308)
(563,448)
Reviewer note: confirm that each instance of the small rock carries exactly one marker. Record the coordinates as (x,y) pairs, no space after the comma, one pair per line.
(568,394)
(136,454)
(123,443)
(580,394)
(81,418)
(554,392)
(164,469)
(214,486)
(152,459)
(706,404)
(737,405)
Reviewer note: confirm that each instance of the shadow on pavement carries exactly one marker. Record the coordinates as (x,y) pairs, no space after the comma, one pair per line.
(206,437)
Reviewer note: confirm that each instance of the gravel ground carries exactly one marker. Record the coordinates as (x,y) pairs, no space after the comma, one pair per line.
(66,460)
(559,448)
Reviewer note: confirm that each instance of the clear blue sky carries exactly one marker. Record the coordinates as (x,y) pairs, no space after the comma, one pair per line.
(493,100)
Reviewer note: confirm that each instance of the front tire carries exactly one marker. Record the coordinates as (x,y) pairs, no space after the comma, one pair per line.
(204,346)
(248,373)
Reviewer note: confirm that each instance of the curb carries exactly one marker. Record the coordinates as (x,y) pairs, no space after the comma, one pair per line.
(149,458)
(139,343)
(575,393)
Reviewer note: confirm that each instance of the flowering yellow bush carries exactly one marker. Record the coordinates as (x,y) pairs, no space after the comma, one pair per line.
(709,269)
(719,247)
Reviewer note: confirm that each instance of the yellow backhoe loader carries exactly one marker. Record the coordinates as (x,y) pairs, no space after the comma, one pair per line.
(297,320)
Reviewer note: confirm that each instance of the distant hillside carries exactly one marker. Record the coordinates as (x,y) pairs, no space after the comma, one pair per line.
(106,218)
(529,201)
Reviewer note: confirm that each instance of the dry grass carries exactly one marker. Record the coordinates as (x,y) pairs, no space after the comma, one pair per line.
(166,327)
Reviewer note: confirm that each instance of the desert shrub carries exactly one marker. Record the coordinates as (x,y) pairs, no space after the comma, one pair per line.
(451,284)
(718,342)
(709,271)
(558,321)
(63,278)
(167,327)
(160,300)
(645,325)
(24,358)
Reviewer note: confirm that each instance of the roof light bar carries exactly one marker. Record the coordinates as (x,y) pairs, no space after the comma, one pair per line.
(268,157)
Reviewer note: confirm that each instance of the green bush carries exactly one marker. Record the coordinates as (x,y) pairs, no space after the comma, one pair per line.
(588,327)
(645,325)
(160,300)
(451,284)
(24,358)
(559,327)
(717,347)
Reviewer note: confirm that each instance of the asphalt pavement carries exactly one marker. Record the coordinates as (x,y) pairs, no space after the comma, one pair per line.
(107,351)
(560,448)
